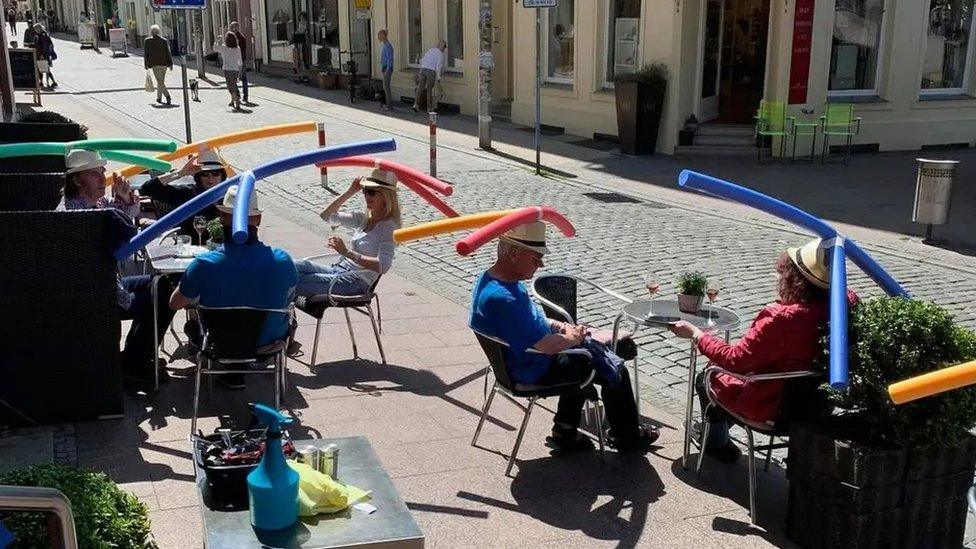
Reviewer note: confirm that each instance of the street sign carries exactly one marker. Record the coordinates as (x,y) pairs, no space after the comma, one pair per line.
(538,3)
(179,4)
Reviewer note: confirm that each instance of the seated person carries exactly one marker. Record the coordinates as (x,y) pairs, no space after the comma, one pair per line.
(501,308)
(207,171)
(85,190)
(372,244)
(784,337)
(252,274)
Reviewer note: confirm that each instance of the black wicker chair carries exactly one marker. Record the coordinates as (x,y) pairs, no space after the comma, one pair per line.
(21,192)
(60,324)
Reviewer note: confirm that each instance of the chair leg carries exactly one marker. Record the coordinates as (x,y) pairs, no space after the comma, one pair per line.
(277,381)
(826,147)
(752,476)
(769,452)
(484,391)
(706,428)
(518,439)
(484,414)
(847,151)
(598,412)
(379,312)
(352,336)
(196,395)
(315,343)
(376,332)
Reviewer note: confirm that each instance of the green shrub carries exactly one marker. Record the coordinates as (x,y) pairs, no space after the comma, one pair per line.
(692,283)
(649,74)
(51,117)
(892,339)
(105,516)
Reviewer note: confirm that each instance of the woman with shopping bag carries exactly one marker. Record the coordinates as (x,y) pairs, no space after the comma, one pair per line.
(233,63)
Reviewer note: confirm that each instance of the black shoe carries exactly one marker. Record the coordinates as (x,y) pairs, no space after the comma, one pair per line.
(169,100)
(647,436)
(143,376)
(232,381)
(568,441)
(725,453)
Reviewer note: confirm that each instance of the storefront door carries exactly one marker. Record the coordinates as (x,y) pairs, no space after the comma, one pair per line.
(711,60)
(359,38)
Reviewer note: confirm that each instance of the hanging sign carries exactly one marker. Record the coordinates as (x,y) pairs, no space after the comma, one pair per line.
(179,4)
(800,62)
(538,3)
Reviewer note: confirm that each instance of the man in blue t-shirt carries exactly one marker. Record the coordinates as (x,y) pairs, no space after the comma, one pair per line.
(501,307)
(250,275)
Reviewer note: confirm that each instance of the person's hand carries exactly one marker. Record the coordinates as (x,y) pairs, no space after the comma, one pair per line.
(356,185)
(576,333)
(338,245)
(191,167)
(684,329)
(122,190)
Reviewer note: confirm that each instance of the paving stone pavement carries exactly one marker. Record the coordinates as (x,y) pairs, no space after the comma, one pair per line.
(616,243)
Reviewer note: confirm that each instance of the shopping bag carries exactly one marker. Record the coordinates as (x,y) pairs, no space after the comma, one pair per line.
(42,66)
(149,83)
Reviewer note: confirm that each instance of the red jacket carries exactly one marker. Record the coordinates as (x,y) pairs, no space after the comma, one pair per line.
(783,338)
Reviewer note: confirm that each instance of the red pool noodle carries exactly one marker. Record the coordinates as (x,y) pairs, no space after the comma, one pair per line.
(430,197)
(404,172)
(470,243)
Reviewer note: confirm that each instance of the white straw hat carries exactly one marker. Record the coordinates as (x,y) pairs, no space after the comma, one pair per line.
(230,199)
(531,236)
(811,261)
(380,179)
(80,160)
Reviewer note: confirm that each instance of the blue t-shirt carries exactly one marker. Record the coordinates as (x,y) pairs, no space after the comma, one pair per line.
(504,310)
(386,57)
(244,275)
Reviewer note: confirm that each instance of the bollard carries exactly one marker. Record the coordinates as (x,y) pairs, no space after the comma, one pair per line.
(433,144)
(323,171)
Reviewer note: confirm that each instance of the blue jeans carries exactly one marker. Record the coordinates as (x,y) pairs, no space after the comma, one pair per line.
(244,83)
(315,279)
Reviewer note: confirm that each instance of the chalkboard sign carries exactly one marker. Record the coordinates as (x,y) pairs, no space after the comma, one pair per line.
(24,68)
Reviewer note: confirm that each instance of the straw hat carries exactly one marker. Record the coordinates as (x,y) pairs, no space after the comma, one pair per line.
(811,260)
(531,236)
(230,199)
(210,160)
(380,179)
(80,160)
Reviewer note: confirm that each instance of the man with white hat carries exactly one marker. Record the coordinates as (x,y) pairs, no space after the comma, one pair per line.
(501,307)
(251,274)
(84,187)
(207,171)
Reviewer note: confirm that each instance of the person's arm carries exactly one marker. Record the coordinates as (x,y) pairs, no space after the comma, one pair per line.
(338,201)
(179,301)
(558,342)
(762,344)
(187,294)
(440,64)
(380,263)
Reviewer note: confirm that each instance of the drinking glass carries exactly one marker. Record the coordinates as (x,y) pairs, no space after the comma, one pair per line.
(712,293)
(200,225)
(182,245)
(653,285)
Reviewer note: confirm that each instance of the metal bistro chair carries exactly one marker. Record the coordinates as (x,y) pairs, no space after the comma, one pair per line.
(230,336)
(798,386)
(839,120)
(772,122)
(494,349)
(316,305)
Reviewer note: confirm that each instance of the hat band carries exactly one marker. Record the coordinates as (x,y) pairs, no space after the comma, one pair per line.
(804,270)
(537,243)
(210,165)
(379,182)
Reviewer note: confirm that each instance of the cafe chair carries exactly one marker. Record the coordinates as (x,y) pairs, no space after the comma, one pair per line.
(771,122)
(494,349)
(230,339)
(799,390)
(316,305)
(838,120)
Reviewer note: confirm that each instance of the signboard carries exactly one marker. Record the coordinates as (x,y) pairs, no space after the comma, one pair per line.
(179,4)
(800,62)
(364,4)
(86,34)
(23,67)
(117,41)
(538,3)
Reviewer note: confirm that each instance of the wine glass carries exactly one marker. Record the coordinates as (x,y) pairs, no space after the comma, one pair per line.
(200,225)
(652,285)
(712,293)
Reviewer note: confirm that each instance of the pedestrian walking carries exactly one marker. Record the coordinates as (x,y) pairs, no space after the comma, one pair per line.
(431,66)
(300,54)
(242,44)
(230,55)
(45,55)
(158,59)
(386,67)
(11,15)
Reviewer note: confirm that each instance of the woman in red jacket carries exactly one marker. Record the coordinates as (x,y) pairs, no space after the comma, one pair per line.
(784,337)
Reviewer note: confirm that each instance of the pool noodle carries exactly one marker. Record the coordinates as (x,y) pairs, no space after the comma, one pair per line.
(430,197)
(242,207)
(208,197)
(123,144)
(838,371)
(470,243)
(144,161)
(401,170)
(933,383)
(450,225)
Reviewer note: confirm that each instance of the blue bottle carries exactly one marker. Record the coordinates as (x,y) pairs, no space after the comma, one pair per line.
(273,486)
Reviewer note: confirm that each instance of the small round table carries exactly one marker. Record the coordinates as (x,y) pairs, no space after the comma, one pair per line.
(709,318)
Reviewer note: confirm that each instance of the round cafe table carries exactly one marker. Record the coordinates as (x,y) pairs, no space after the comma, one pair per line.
(659,314)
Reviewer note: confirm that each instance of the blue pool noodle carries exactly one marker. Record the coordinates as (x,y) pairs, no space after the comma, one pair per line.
(838,319)
(215,193)
(242,207)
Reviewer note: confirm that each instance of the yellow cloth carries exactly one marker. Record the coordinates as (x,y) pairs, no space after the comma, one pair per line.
(318,493)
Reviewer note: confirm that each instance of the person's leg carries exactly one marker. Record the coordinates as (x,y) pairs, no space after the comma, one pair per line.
(569,411)
(387,88)
(429,92)
(317,279)
(160,73)
(718,432)
(244,84)
(418,93)
(618,401)
(138,352)
(231,79)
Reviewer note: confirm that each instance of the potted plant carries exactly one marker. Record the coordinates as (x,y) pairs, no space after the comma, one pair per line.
(640,103)
(216,232)
(105,515)
(875,474)
(691,291)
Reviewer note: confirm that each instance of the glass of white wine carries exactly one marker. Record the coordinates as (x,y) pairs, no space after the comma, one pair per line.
(712,293)
(652,284)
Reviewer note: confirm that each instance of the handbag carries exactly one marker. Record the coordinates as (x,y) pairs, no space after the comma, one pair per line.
(43,66)
(149,83)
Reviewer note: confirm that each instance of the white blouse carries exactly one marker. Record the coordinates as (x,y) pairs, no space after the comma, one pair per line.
(377,242)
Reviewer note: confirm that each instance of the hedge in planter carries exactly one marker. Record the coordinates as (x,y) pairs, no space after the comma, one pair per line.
(640,104)
(105,516)
(880,474)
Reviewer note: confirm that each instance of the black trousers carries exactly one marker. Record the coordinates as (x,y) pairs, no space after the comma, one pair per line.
(618,400)
(138,352)
(718,434)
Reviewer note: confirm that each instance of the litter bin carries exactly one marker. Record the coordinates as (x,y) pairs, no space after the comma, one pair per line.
(933,192)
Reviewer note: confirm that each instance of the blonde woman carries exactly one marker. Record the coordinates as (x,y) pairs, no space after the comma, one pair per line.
(370,250)
(233,64)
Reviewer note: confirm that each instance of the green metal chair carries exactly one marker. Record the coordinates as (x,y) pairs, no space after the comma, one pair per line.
(838,119)
(771,122)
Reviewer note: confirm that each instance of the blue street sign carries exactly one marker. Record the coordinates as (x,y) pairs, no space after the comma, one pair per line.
(179,4)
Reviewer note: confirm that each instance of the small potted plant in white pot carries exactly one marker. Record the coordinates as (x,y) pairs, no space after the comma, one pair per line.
(691,291)
(216,231)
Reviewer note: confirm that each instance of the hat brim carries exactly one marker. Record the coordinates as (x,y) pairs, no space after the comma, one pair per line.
(538,249)
(368,184)
(794,254)
(85,167)
(225,209)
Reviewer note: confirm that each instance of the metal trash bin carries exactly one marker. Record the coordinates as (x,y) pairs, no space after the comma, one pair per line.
(933,192)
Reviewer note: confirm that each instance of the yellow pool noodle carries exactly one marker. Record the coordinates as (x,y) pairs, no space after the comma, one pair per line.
(933,383)
(448,225)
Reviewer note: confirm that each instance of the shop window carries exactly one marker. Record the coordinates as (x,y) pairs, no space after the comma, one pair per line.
(560,31)
(280,14)
(325,33)
(415,42)
(947,48)
(622,30)
(856,47)
(455,35)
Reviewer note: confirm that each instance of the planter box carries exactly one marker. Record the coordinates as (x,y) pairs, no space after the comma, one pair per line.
(31,132)
(842,495)
(639,108)
(327,81)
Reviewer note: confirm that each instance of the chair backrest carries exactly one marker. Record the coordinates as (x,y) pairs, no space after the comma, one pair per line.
(838,116)
(802,399)
(22,192)
(561,290)
(775,115)
(161,208)
(494,349)
(231,333)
